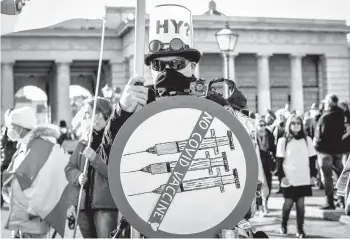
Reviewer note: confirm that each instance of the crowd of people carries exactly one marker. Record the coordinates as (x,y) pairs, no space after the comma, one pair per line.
(289,143)
(304,150)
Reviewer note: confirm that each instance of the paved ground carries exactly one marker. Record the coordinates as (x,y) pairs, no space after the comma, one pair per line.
(315,228)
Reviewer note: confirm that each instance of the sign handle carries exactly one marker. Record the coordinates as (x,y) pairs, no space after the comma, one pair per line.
(139,54)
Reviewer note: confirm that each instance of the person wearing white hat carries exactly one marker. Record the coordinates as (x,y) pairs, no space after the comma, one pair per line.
(21,125)
(19,122)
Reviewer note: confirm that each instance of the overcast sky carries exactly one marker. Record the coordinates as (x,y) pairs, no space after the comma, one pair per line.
(316,9)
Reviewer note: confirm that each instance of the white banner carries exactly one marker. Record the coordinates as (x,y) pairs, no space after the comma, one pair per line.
(38,14)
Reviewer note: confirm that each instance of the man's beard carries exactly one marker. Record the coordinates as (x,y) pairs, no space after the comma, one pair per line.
(170,82)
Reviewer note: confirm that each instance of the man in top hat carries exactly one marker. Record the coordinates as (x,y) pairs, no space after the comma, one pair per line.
(172,61)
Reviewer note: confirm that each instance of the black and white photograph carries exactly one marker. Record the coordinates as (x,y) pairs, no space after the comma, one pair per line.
(175,119)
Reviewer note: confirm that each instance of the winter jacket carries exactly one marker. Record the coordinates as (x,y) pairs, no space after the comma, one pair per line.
(99,194)
(267,151)
(21,216)
(329,132)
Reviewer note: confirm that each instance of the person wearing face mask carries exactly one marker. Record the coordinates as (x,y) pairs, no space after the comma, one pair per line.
(35,143)
(172,61)
(98,214)
(296,159)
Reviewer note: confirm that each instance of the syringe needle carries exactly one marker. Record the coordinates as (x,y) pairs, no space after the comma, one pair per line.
(135,153)
(134,171)
(136,194)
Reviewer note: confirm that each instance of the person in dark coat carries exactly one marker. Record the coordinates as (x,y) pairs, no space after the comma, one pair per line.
(329,145)
(267,150)
(98,213)
(173,71)
(8,149)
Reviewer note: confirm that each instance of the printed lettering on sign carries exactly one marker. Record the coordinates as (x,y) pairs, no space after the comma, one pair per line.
(162,26)
(185,181)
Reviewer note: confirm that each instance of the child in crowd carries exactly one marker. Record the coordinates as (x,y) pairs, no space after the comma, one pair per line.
(296,158)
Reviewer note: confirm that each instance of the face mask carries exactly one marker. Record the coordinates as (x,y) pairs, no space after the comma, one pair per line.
(171,80)
(13,135)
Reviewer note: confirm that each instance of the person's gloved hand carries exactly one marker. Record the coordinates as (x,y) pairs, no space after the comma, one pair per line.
(82,179)
(134,95)
(89,153)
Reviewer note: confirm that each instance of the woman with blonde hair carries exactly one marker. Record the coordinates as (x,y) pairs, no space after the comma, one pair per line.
(296,159)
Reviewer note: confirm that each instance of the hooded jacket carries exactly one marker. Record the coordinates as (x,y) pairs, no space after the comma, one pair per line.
(21,216)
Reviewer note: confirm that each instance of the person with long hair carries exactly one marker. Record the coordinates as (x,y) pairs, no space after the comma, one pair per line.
(98,213)
(267,150)
(296,159)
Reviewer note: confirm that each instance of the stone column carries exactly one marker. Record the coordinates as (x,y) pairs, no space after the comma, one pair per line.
(62,83)
(296,84)
(7,88)
(263,86)
(337,76)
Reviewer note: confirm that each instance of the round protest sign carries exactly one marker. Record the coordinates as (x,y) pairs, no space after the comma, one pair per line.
(183,167)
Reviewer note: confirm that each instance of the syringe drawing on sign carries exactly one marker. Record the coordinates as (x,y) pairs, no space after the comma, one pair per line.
(196,164)
(178,146)
(202,183)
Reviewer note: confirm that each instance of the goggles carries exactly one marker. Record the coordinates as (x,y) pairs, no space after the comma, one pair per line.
(175,64)
(175,44)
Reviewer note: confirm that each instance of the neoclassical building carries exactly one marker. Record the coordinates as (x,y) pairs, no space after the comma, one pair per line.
(276,61)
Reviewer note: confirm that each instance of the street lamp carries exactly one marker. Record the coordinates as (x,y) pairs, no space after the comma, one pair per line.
(226,39)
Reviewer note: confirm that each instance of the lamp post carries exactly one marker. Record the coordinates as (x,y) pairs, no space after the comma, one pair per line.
(226,39)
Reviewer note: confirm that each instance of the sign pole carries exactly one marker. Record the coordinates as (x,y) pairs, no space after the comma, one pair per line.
(139,54)
(93,116)
(139,49)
